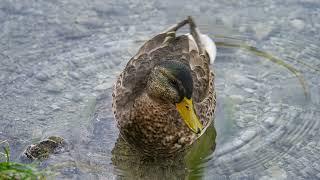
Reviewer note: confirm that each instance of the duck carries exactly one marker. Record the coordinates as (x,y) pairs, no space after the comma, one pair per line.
(165,97)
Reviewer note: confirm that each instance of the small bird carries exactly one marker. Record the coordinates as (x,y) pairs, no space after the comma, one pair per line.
(165,98)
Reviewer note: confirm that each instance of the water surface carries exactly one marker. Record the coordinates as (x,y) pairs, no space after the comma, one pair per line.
(59,60)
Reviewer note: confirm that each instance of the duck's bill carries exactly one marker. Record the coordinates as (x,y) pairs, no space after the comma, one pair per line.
(186,111)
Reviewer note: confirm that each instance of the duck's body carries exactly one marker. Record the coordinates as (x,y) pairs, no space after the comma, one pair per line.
(151,123)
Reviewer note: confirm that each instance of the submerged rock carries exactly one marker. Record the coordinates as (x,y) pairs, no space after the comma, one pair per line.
(55,86)
(42,76)
(44,148)
(298,24)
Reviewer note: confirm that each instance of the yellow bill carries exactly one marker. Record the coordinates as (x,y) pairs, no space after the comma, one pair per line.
(186,110)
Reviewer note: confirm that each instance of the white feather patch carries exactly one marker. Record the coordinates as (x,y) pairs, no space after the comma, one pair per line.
(208,44)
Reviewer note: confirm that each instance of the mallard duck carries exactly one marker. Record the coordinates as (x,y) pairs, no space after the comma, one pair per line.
(165,97)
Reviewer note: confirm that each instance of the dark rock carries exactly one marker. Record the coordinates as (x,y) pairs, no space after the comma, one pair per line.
(44,148)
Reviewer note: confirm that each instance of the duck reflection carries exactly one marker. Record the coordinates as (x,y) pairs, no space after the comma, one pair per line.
(130,164)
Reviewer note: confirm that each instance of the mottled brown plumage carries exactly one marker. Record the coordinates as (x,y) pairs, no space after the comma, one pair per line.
(153,125)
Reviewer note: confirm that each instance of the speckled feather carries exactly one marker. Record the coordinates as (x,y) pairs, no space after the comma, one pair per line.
(150,126)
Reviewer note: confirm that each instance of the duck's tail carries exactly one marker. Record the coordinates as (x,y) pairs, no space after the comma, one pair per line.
(202,40)
(209,46)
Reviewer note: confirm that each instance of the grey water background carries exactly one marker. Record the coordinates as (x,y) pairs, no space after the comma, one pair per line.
(59,60)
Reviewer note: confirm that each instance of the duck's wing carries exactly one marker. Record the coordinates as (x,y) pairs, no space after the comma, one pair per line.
(151,45)
(203,77)
(199,64)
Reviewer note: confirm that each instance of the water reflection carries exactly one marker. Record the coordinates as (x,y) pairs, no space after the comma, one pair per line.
(186,165)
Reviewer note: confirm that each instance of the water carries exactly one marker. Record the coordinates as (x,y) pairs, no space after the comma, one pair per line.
(58,62)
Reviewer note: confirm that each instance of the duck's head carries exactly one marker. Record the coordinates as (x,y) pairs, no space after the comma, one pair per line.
(171,82)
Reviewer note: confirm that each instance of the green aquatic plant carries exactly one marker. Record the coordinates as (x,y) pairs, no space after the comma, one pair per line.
(14,170)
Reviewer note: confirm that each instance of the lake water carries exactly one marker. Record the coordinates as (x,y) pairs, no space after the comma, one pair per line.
(59,60)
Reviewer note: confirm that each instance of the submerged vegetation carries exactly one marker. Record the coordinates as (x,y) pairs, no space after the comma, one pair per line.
(14,170)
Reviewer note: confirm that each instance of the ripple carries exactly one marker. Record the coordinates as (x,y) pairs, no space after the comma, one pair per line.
(281,127)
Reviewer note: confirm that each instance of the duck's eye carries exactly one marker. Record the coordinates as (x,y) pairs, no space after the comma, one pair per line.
(174,83)
(188,108)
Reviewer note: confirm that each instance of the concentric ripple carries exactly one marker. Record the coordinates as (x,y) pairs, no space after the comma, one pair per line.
(278,117)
